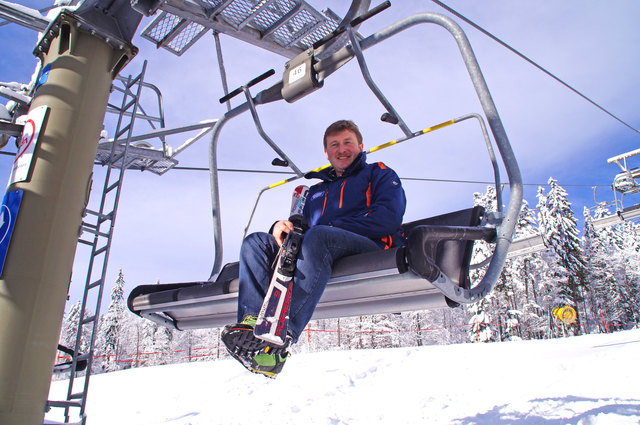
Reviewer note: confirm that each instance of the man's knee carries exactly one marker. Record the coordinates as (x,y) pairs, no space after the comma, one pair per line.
(256,241)
(253,238)
(317,235)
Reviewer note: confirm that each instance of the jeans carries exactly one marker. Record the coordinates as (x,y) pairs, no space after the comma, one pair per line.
(321,246)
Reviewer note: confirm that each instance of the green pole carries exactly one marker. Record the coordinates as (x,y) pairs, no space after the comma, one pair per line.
(35,280)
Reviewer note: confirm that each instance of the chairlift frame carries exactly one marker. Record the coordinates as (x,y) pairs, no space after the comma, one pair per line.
(418,281)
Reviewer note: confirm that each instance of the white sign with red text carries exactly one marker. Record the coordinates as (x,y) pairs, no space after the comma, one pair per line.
(27,144)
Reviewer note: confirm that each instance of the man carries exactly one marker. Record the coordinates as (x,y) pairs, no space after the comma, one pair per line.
(356,208)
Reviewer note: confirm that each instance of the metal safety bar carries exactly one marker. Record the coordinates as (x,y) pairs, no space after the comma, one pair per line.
(393,143)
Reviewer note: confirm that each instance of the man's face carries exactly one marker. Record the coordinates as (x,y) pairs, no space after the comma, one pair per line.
(342,149)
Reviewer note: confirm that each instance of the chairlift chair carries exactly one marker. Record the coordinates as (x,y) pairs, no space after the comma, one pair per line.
(431,270)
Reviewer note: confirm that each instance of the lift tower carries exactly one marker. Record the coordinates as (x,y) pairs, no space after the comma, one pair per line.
(81,52)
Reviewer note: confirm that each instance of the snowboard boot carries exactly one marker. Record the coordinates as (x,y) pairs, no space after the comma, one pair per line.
(254,354)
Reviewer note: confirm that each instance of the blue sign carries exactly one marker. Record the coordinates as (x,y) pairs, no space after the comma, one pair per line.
(44,76)
(8,214)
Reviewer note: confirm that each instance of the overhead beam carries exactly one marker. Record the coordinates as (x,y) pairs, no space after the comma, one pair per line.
(23,15)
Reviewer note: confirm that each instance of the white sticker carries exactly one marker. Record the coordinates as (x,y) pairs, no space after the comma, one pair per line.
(27,144)
(297,73)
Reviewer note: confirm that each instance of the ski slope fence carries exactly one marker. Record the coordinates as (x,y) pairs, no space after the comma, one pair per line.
(141,359)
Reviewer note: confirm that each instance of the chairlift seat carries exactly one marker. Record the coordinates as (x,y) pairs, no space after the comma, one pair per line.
(370,283)
(68,365)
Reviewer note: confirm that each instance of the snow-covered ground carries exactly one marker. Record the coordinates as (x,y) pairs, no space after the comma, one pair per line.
(592,379)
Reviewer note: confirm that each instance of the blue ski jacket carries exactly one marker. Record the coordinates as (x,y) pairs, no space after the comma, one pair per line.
(367,199)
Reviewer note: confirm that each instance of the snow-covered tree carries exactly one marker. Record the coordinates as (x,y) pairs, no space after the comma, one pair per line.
(480,330)
(613,264)
(525,314)
(600,253)
(559,230)
(631,260)
(111,327)
(70,329)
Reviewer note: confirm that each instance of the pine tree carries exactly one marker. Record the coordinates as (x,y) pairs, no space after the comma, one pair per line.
(138,338)
(111,327)
(70,329)
(528,273)
(558,228)
(480,330)
(599,254)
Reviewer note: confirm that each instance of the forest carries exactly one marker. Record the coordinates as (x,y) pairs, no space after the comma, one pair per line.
(596,272)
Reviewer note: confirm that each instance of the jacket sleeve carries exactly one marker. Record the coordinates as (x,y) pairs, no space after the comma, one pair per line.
(384,214)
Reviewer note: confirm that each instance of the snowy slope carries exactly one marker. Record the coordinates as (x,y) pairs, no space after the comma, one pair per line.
(590,379)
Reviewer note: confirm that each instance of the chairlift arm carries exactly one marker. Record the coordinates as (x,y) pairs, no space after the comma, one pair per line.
(355,45)
(265,137)
(506,229)
(215,194)
(213,178)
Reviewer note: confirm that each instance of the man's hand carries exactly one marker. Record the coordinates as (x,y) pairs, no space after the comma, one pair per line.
(280,230)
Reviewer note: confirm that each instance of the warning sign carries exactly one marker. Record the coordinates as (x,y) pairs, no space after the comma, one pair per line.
(26,144)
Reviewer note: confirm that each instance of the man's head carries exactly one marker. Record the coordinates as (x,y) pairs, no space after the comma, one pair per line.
(342,144)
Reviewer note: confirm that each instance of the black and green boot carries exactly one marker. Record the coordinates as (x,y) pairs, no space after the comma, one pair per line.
(254,354)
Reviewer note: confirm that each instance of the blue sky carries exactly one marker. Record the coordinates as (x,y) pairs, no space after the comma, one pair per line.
(163,229)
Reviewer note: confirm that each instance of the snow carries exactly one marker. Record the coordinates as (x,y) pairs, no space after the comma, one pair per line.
(585,380)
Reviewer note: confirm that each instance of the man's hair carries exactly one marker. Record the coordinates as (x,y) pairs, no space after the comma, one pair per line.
(339,126)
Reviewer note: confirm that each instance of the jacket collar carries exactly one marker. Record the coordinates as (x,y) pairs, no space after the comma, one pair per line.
(329,174)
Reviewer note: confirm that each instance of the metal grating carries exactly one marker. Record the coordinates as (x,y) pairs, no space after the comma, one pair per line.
(138,158)
(266,18)
(298,25)
(284,26)
(212,4)
(162,25)
(173,33)
(186,37)
(238,11)
(331,23)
